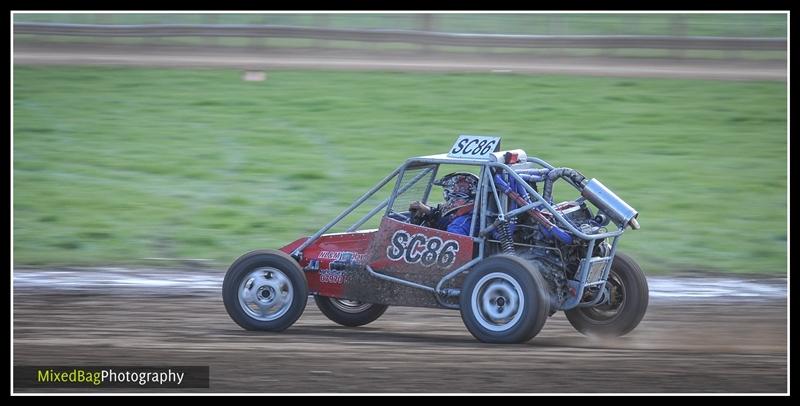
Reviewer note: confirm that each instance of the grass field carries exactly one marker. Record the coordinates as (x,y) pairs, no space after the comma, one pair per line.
(112,165)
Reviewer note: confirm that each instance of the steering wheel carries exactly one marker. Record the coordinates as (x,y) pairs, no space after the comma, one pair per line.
(417,217)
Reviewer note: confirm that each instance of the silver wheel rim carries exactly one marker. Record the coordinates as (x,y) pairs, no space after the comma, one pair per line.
(350,306)
(266,294)
(497,301)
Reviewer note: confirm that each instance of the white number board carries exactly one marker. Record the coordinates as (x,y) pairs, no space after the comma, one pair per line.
(474,147)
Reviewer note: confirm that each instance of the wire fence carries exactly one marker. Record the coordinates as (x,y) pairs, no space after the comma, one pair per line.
(717,25)
(727,36)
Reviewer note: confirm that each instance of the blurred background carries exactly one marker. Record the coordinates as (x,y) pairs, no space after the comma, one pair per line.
(149,138)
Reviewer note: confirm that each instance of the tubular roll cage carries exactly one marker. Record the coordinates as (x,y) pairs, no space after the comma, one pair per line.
(431,164)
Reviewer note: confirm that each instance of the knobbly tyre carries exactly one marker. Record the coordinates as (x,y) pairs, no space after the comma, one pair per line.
(523,259)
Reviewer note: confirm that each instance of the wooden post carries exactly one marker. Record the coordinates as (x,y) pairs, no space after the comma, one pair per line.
(212,19)
(678,29)
(254,41)
(321,21)
(265,42)
(556,27)
(427,23)
(103,19)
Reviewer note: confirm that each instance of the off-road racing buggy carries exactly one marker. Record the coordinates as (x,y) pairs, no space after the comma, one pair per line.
(525,257)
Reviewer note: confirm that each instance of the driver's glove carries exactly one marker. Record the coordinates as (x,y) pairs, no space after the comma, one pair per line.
(419,207)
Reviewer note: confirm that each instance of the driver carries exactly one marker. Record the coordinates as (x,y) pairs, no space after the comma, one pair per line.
(455,214)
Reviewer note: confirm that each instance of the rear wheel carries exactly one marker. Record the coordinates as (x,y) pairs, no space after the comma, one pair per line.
(625,305)
(265,290)
(504,300)
(351,313)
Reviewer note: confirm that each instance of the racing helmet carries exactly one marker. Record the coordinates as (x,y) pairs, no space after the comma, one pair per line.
(459,190)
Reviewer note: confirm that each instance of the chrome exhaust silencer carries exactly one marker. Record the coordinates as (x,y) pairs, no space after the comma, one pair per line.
(605,200)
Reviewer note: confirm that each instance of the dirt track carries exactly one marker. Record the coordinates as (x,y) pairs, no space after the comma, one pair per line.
(698,345)
(117,55)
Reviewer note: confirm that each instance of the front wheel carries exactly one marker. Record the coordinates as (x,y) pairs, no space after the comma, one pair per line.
(350,313)
(623,309)
(504,300)
(265,290)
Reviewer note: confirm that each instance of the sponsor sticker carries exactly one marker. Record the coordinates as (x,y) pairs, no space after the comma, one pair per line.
(331,276)
(342,255)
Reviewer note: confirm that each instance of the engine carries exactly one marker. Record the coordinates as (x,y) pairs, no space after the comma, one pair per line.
(537,236)
(556,260)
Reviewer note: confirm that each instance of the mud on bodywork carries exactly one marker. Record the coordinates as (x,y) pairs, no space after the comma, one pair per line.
(335,263)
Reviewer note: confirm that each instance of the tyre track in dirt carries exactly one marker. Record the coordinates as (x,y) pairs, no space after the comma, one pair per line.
(711,344)
(193,57)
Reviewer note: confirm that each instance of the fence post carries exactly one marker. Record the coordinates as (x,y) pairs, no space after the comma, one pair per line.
(634,24)
(736,53)
(678,29)
(321,21)
(212,19)
(265,42)
(103,19)
(254,42)
(428,24)
(556,24)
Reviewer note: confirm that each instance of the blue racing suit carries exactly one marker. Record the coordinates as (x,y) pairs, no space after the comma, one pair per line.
(457,223)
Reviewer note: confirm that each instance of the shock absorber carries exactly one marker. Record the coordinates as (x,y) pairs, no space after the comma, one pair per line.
(506,241)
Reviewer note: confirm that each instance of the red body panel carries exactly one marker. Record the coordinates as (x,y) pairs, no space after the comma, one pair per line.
(329,248)
(427,253)
(419,254)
